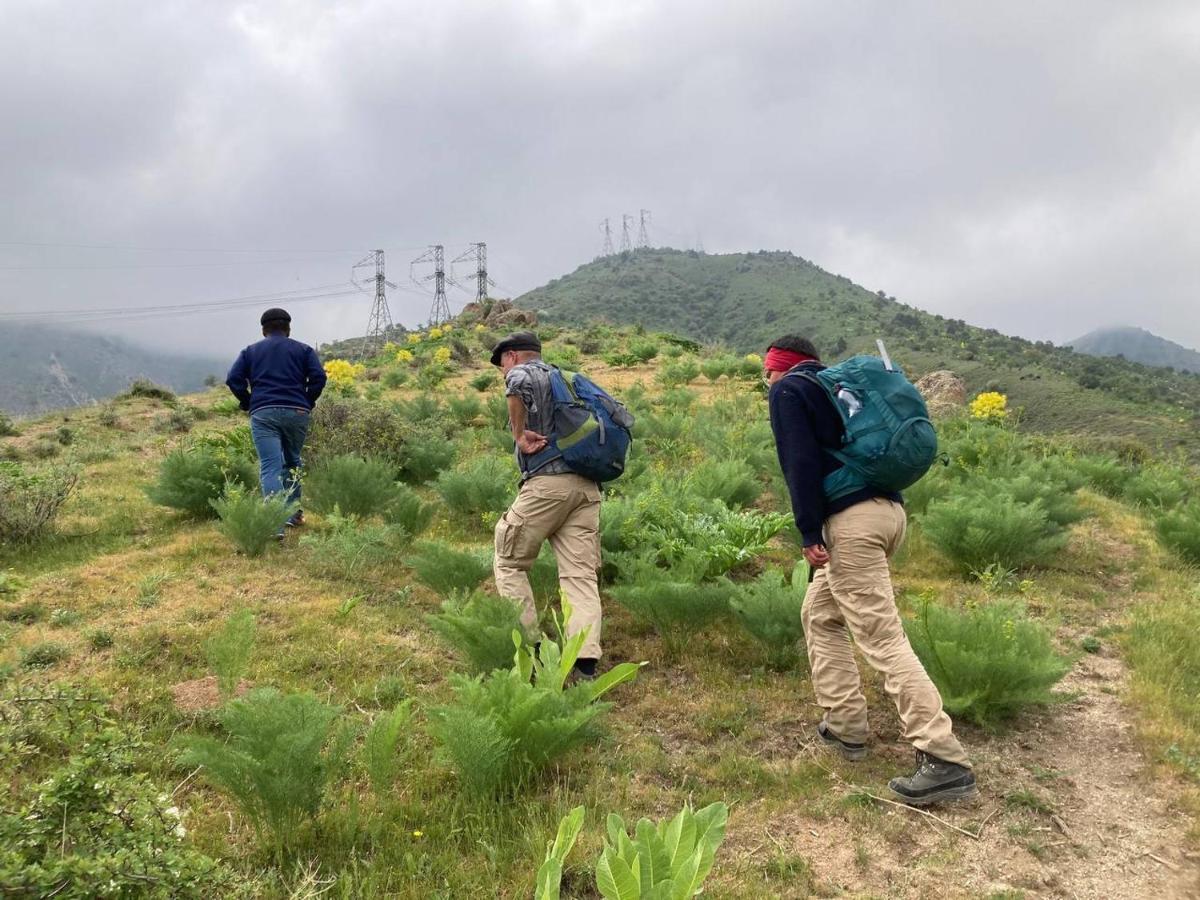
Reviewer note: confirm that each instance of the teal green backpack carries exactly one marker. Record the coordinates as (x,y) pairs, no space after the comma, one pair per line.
(890,442)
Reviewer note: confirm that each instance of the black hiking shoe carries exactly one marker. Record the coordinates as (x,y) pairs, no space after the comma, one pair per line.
(935,781)
(850,751)
(297,520)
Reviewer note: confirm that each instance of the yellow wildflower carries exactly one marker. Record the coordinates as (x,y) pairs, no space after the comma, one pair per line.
(480,328)
(441,355)
(342,373)
(990,406)
(754,358)
(404,356)
(414,337)
(418,834)
(435,333)
(448,327)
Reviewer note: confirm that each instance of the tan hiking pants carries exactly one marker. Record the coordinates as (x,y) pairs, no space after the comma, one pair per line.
(852,596)
(566,510)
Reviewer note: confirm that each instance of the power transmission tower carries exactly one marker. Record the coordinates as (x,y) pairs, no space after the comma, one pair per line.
(477,253)
(626,246)
(441,307)
(379,324)
(643,236)
(608,244)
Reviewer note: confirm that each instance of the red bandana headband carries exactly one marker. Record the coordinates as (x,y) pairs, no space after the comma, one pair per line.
(783,360)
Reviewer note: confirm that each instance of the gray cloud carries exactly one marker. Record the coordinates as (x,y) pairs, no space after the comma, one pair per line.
(1030,167)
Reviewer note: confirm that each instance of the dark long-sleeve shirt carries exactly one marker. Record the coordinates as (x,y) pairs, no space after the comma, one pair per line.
(805,424)
(277,371)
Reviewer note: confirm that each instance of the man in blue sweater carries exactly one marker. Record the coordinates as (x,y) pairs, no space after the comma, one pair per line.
(278,381)
(848,542)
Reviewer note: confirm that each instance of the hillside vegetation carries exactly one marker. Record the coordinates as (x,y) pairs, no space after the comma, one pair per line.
(745,300)
(189,711)
(49,367)
(1139,346)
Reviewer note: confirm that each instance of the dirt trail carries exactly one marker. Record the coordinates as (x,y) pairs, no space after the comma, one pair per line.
(1105,827)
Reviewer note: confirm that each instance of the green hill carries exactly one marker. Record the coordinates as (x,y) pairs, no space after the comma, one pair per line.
(55,368)
(745,300)
(1140,346)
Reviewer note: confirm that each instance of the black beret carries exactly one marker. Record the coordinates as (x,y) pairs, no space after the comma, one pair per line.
(275,314)
(518,340)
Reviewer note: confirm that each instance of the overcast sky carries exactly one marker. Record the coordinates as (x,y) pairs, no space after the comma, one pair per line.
(1029,166)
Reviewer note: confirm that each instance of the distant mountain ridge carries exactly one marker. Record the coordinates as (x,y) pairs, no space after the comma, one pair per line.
(1140,346)
(49,367)
(744,300)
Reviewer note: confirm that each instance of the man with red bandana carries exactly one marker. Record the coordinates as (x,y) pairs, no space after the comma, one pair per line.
(848,542)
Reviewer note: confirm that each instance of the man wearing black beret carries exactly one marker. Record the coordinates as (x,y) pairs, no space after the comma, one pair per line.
(278,380)
(553,504)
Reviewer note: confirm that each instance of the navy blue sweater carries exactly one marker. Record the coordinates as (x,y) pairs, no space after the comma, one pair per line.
(805,423)
(277,371)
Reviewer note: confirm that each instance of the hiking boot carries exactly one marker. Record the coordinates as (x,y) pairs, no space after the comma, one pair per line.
(297,520)
(935,781)
(850,751)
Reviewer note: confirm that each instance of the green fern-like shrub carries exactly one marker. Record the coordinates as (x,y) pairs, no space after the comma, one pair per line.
(354,485)
(228,650)
(408,511)
(447,570)
(983,526)
(1158,487)
(250,521)
(279,756)
(426,453)
(464,410)
(1180,531)
(676,607)
(485,485)
(769,609)
(1104,474)
(346,548)
(381,751)
(731,481)
(479,628)
(989,662)
(503,728)
(190,479)
(342,426)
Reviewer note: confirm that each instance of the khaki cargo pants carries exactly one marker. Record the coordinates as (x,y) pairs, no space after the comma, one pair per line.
(852,596)
(565,509)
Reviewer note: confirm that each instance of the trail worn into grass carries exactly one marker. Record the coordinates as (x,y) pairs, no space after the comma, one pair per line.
(1067,808)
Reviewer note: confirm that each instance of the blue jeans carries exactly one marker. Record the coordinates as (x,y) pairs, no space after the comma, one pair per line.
(279,434)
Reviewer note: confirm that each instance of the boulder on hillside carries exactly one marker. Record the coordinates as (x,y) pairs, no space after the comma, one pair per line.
(499,314)
(944,392)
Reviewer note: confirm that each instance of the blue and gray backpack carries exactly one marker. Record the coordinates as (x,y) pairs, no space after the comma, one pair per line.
(889,441)
(592,431)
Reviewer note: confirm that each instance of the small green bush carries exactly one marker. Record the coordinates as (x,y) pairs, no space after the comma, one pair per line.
(483,382)
(355,485)
(981,527)
(485,485)
(464,410)
(503,728)
(715,366)
(731,481)
(143,387)
(65,436)
(64,618)
(643,349)
(178,421)
(408,511)
(394,378)
(1104,474)
(341,427)
(480,629)
(45,448)
(769,609)
(100,639)
(277,762)
(228,650)
(30,501)
(44,654)
(7,428)
(426,453)
(989,662)
(680,371)
(189,480)
(346,548)
(1158,487)
(676,608)
(381,748)
(250,521)
(1179,530)
(447,570)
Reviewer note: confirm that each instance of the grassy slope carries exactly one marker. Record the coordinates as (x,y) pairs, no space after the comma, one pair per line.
(746,300)
(714,725)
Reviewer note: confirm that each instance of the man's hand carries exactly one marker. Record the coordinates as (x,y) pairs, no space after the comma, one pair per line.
(530,442)
(817,555)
